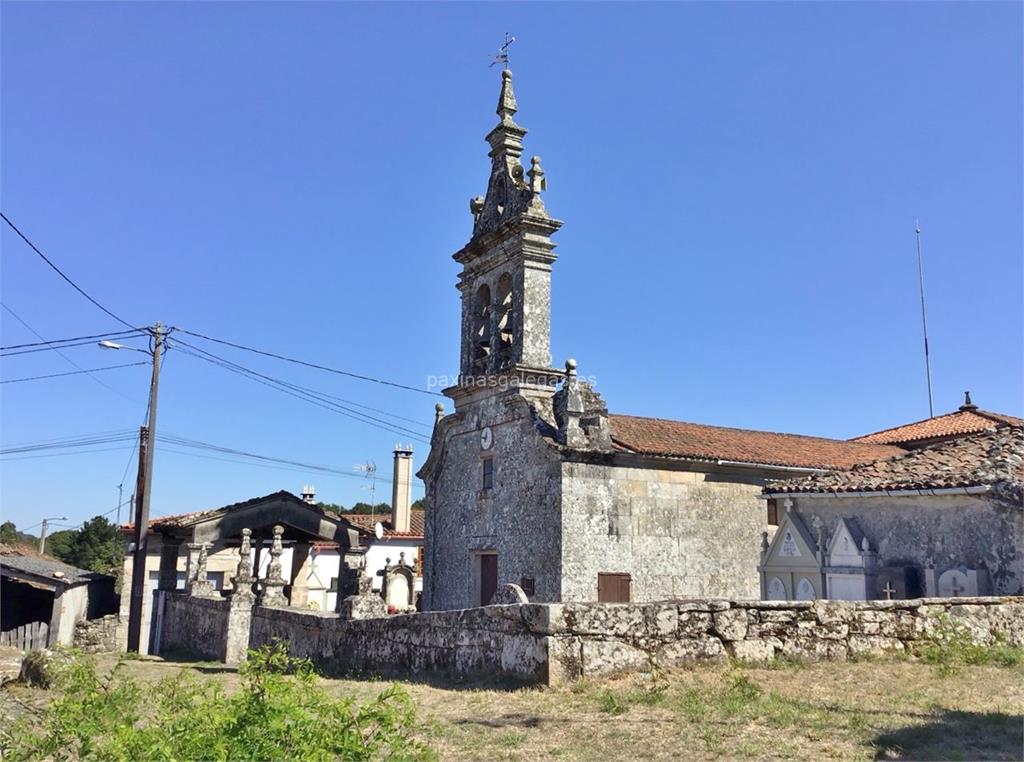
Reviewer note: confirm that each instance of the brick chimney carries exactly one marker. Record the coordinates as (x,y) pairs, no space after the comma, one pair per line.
(401,489)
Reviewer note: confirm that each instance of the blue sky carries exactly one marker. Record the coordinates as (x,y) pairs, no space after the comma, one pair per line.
(739,184)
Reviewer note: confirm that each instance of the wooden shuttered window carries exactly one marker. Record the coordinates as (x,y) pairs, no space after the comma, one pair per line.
(613,588)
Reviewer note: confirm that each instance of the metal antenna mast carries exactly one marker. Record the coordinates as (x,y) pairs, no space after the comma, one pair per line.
(924,318)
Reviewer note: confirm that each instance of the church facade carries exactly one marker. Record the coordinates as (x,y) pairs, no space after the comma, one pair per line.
(531,481)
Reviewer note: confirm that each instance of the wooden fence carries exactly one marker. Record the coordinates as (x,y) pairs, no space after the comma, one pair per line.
(28,637)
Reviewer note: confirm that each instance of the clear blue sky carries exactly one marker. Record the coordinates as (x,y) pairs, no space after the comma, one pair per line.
(739,184)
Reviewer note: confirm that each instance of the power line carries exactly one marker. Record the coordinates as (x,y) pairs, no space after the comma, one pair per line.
(302,393)
(67,445)
(76,338)
(61,273)
(311,392)
(70,361)
(72,373)
(311,364)
(64,454)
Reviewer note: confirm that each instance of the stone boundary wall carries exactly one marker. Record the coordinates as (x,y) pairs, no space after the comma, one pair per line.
(556,643)
(97,635)
(493,640)
(591,639)
(196,626)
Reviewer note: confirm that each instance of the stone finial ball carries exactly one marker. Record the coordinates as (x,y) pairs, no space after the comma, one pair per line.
(506,74)
(439,407)
(570,365)
(535,160)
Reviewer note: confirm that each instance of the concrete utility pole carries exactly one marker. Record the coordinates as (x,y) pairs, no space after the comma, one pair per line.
(147,439)
(46,525)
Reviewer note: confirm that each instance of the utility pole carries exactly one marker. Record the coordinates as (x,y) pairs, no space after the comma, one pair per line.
(147,440)
(46,525)
(120,490)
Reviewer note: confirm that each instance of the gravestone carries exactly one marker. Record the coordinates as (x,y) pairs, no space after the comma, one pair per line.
(961,581)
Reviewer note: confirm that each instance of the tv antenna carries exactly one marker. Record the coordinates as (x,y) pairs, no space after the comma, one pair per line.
(370,469)
(924,318)
(502,56)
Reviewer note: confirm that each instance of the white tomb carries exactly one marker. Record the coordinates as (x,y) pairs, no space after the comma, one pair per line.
(850,564)
(790,565)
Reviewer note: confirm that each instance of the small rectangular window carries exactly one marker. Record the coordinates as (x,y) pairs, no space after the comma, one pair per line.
(488,473)
(528,585)
(773,512)
(613,588)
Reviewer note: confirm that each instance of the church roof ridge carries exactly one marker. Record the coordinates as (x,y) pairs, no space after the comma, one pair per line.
(683,439)
(982,459)
(963,421)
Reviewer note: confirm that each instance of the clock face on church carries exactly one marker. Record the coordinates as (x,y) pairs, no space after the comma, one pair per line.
(486,438)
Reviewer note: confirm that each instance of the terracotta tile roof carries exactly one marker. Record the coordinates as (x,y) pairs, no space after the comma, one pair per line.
(679,439)
(366,521)
(989,458)
(953,424)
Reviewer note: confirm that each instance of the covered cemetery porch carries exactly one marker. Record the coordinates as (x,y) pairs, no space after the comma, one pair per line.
(199,552)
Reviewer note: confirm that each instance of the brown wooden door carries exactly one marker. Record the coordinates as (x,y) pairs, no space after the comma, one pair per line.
(488,577)
(613,588)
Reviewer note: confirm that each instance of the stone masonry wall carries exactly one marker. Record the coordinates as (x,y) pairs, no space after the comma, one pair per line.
(517,518)
(600,639)
(677,533)
(975,531)
(556,643)
(97,635)
(492,640)
(197,626)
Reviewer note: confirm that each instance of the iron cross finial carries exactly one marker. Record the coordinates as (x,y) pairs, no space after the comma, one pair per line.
(502,56)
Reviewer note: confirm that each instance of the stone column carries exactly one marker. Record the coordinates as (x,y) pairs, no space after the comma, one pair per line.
(240,605)
(272,593)
(169,564)
(302,567)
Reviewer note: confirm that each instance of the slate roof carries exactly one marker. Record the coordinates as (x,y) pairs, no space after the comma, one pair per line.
(179,520)
(958,423)
(415,532)
(679,439)
(989,458)
(29,562)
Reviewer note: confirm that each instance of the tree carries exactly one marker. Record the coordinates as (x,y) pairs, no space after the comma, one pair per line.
(367,508)
(96,546)
(420,505)
(9,535)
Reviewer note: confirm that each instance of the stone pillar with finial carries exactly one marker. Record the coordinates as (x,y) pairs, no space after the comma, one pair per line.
(240,604)
(272,593)
(968,406)
(199,584)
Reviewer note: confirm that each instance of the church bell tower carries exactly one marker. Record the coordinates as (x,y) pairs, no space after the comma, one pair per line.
(506,270)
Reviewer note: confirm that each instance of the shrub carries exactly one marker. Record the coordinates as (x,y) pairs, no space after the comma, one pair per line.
(950,647)
(281,712)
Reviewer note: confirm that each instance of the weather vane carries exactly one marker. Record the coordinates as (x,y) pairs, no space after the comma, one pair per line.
(502,56)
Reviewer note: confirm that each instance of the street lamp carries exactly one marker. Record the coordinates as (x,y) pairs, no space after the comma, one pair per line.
(42,533)
(147,440)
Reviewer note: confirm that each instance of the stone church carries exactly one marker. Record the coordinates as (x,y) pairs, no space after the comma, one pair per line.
(532,481)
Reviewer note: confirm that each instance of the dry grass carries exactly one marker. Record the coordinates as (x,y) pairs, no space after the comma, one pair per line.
(856,710)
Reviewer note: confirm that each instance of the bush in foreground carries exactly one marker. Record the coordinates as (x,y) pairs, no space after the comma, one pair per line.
(280,713)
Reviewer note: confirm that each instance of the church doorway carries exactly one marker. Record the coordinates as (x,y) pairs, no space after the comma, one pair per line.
(488,571)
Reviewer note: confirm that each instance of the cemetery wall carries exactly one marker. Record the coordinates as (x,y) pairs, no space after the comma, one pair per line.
(556,643)
(194,626)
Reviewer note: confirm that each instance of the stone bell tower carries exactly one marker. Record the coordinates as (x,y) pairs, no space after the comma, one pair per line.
(506,270)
